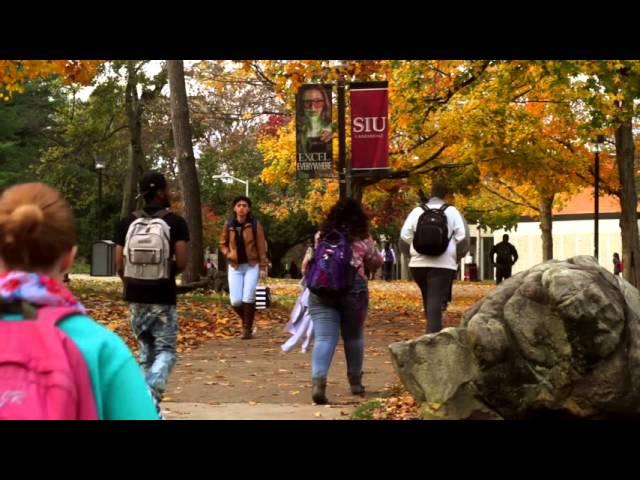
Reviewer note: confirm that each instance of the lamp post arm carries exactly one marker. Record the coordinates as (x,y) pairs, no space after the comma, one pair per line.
(227,176)
(246,183)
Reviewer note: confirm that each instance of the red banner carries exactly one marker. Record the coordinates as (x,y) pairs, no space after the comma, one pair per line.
(369,126)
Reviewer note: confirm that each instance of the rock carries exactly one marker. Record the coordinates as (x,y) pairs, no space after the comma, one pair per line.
(561,339)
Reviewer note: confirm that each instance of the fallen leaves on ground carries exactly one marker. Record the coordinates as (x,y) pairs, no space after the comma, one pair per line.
(201,316)
(399,406)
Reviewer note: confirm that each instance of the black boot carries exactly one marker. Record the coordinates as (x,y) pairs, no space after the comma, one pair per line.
(247,324)
(355,381)
(318,391)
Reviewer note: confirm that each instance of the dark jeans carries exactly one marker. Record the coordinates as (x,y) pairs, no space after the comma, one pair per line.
(331,317)
(450,292)
(387,271)
(434,284)
(502,272)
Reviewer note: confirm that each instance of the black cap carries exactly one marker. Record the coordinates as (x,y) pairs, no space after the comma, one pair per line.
(152,182)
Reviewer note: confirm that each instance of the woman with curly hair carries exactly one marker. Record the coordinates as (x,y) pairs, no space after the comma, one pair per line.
(343,313)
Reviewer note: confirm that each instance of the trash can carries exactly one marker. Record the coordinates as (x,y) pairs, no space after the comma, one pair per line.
(471,272)
(103,261)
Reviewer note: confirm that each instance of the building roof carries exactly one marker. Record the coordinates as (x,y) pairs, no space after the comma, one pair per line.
(583,202)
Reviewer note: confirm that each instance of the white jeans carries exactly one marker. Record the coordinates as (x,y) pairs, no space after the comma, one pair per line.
(242,283)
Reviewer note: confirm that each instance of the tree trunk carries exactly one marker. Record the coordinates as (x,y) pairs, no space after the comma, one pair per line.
(187,168)
(135,165)
(625,153)
(277,252)
(546,225)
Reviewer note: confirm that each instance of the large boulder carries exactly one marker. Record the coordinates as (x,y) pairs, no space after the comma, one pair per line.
(561,339)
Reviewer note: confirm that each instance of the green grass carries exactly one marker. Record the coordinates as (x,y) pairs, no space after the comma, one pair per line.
(80,266)
(366,409)
(201,297)
(286,301)
(85,288)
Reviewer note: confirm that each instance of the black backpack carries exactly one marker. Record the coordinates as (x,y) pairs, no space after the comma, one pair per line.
(432,233)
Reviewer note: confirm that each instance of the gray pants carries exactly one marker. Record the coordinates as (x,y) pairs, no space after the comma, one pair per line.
(434,285)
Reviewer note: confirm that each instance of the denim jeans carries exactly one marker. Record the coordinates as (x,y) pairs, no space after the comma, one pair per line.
(242,283)
(156,330)
(346,315)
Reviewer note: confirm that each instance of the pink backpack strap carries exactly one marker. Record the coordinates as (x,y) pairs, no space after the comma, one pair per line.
(86,406)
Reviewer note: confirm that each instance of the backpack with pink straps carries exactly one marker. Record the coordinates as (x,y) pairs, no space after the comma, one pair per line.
(43,375)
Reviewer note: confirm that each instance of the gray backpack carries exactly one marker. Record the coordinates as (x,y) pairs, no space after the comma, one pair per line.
(147,253)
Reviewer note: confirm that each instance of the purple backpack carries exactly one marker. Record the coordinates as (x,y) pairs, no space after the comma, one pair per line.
(330,272)
(43,375)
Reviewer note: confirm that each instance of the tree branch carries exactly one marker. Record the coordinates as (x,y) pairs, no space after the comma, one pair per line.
(261,75)
(418,143)
(510,200)
(524,102)
(430,159)
(521,94)
(511,189)
(443,166)
(398,174)
(564,143)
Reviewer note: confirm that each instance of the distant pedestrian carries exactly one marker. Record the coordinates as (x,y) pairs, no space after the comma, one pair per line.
(506,257)
(617,265)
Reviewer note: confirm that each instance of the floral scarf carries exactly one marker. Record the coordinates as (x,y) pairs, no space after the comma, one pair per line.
(36,289)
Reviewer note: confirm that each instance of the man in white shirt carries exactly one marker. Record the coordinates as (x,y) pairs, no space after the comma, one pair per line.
(433,274)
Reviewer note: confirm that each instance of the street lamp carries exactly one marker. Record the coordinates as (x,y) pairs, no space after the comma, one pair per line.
(100,165)
(596,207)
(226,176)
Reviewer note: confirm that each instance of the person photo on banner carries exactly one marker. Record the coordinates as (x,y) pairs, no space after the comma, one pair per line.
(314,119)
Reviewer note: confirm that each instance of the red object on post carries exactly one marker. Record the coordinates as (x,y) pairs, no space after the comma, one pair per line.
(470,272)
(369,126)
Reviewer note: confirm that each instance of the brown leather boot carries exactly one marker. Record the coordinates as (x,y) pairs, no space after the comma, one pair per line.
(249,315)
(240,311)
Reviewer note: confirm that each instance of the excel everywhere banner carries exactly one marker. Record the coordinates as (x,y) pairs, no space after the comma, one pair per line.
(314,155)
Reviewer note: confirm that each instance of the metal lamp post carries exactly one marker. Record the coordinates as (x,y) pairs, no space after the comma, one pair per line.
(100,166)
(226,176)
(596,194)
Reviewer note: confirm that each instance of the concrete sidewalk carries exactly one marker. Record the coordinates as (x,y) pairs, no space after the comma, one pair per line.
(88,278)
(254,411)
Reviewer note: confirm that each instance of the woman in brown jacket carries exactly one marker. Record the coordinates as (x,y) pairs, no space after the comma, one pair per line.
(243,244)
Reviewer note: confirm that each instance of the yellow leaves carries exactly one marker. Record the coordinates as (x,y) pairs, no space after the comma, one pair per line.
(400,406)
(279,153)
(13,73)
